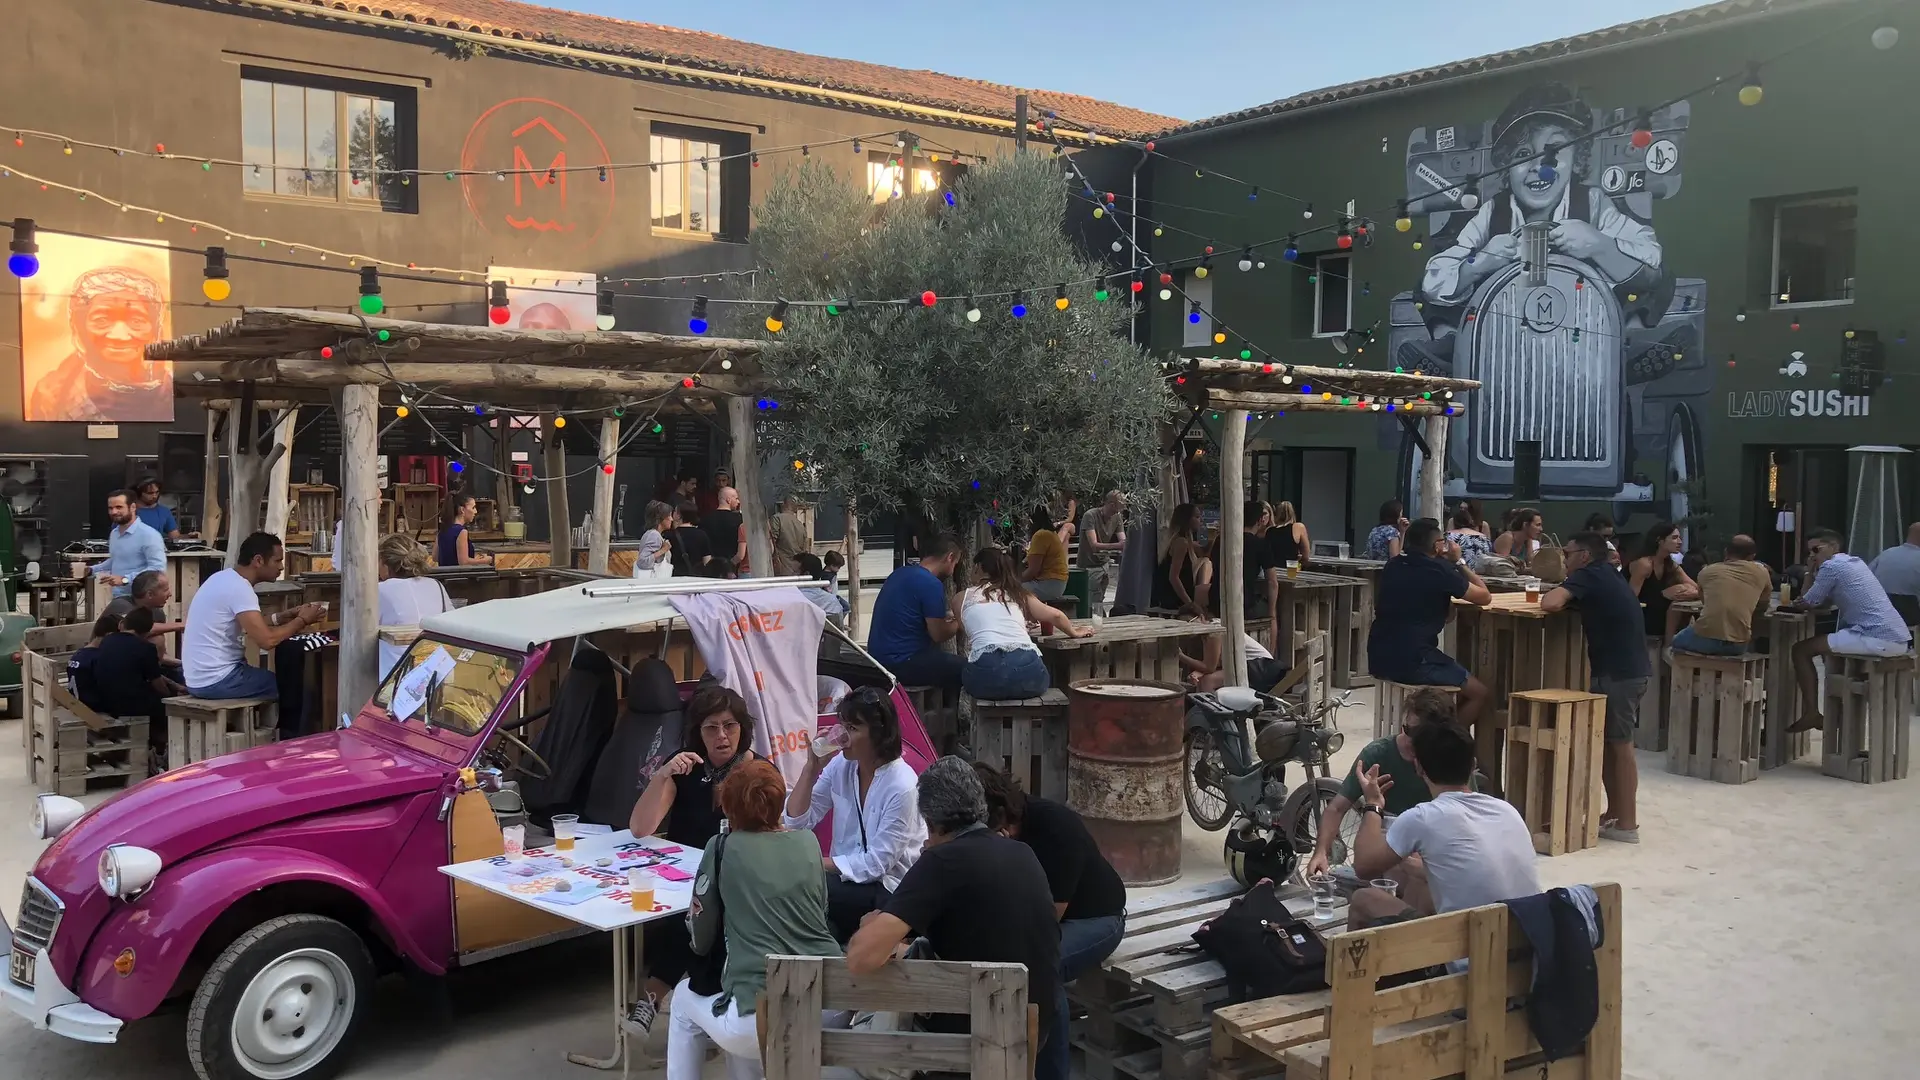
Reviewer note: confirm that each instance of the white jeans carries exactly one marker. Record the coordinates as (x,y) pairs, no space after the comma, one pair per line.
(692,1027)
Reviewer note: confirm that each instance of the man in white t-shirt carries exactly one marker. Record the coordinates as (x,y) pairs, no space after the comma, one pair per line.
(225,615)
(1477,849)
(1209,673)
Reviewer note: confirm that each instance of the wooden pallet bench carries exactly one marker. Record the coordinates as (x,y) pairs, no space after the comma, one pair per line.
(201,728)
(1026,739)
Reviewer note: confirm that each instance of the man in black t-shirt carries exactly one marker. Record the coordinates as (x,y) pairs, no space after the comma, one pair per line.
(973,894)
(1617,652)
(1089,898)
(128,677)
(726,533)
(1411,606)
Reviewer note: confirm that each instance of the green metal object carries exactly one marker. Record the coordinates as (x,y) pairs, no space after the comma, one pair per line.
(10,571)
(1077,590)
(13,629)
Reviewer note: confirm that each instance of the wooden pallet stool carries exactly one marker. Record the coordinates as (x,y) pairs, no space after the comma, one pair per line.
(1026,739)
(201,728)
(1869,710)
(939,712)
(74,750)
(1652,732)
(1390,704)
(1714,716)
(1555,744)
(1784,630)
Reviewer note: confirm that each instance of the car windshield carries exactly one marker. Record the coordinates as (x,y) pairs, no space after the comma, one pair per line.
(447,685)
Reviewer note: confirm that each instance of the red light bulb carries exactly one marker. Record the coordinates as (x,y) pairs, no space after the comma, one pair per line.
(326,352)
(1266,369)
(1166,279)
(159,148)
(1343,242)
(687,382)
(1138,285)
(1149,146)
(607,468)
(927,298)
(1641,139)
(1209,249)
(499,316)
(1109,196)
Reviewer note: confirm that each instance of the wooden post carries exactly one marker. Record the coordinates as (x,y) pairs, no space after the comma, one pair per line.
(247,476)
(602,537)
(746,480)
(852,546)
(1227,576)
(506,490)
(210,477)
(559,525)
(279,477)
(359,411)
(1433,471)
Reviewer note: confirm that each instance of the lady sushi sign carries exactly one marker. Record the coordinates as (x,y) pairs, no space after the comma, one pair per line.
(1861,370)
(1795,404)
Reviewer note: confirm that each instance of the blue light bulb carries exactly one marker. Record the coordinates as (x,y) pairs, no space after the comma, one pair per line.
(1193,316)
(698,326)
(1548,172)
(1019,311)
(23,265)
(949,198)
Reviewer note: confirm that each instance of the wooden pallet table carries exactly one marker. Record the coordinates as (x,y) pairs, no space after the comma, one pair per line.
(1148,1008)
(58,601)
(1784,630)
(1555,744)
(1126,647)
(1390,704)
(199,728)
(1026,739)
(1310,604)
(1714,716)
(1352,619)
(44,651)
(1513,645)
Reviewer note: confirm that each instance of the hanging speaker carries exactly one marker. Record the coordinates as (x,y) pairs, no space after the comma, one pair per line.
(1526,470)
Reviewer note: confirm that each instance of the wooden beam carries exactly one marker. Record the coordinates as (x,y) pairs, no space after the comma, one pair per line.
(506,488)
(851,549)
(279,476)
(210,476)
(559,524)
(1433,470)
(1228,576)
(746,480)
(602,536)
(359,412)
(453,377)
(1252,401)
(1361,380)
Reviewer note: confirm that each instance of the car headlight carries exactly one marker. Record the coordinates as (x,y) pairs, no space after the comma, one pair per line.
(53,814)
(126,871)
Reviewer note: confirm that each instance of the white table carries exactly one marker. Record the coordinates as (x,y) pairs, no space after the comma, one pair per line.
(609,908)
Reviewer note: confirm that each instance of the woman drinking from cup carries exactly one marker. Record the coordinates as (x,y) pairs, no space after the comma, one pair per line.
(877,831)
(681,805)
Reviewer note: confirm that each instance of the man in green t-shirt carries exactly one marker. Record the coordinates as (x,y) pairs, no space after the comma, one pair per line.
(1394,756)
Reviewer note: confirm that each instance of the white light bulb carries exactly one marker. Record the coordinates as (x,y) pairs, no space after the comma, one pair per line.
(1166,294)
(1116,245)
(1886,38)
(726,364)
(1469,201)
(1246,264)
(604,322)
(973,314)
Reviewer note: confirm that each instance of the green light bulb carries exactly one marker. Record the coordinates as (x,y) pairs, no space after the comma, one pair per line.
(372,305)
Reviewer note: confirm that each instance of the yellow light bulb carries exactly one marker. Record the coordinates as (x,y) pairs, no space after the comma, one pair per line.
(798,464)
(216,289)
(1062,303)
(401,412)
(1326,397)
(1404,224)
(1219,338)
(559,421)
(1099,212)
(1199,271)
(774,326)
(1751,94)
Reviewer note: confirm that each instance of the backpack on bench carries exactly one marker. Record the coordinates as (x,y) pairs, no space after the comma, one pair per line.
(1264,949)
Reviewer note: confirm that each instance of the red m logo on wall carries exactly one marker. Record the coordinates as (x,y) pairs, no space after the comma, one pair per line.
(533,141)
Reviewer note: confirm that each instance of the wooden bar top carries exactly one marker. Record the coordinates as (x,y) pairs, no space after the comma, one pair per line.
(1513,603)
(1346,563)
(1307,579)
(1131,628)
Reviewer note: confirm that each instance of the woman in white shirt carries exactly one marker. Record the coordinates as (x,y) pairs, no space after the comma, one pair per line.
(871,793)
(407,594)
(1003,663)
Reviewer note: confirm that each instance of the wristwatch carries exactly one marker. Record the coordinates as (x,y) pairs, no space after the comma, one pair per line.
(1369,808)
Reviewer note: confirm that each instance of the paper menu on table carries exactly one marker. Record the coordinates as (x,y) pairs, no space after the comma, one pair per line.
(411,694)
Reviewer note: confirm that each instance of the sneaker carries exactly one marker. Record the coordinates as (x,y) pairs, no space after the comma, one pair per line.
(640,1014)
(1610,831)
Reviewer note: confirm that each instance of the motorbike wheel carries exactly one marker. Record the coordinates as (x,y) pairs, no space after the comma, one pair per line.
(1300,819)
(1203,784)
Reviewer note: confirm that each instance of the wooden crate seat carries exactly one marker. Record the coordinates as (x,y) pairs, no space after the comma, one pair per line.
(1390,703)
(1555,745)
(1868,717)
(1714,716)
(202,728)
(1026,739)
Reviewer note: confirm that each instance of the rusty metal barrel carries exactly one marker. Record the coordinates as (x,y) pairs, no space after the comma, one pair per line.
(1124,756)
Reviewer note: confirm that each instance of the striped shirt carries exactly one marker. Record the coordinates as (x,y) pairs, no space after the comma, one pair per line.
(1847,584)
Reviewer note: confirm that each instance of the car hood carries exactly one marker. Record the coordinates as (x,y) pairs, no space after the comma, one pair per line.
(196,807)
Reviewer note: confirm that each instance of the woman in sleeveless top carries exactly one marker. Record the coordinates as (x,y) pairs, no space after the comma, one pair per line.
(1287,540)
(1176,581)
(1003,663)
(455,547)
(1659,581)
(1521,538)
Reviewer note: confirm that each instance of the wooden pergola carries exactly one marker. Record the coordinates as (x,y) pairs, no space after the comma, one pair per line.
(274,360)
(1237,387)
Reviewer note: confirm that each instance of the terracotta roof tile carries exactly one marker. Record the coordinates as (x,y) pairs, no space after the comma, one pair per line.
(699,49)
(1637,32)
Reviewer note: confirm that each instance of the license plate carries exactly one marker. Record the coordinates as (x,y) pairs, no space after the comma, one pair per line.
(20,968)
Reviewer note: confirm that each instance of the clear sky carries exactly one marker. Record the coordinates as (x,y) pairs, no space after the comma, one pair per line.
(1178,57)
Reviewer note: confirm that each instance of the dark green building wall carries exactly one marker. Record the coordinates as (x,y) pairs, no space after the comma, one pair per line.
(1837,116)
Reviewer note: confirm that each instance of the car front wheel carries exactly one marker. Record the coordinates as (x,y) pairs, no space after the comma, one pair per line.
(281,1002)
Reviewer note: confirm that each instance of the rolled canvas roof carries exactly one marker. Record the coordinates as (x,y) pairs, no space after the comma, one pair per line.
(521,622)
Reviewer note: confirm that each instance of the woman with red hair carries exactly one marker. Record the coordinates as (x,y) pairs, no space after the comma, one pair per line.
(759,892)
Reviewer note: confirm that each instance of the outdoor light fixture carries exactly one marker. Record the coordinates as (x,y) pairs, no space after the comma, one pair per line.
(24,260)
(1401,219)
(497,312)
(1060,301)
(603,310)
(697,322)
(214,284)
(973,310)
(1019,309)
(370,302)
(777,318)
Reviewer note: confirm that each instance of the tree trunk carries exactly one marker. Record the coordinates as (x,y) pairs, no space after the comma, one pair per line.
(359,410)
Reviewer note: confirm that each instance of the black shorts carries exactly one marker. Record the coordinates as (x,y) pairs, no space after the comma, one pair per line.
(1264,673)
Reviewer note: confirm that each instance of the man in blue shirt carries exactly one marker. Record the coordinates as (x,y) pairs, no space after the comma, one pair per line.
(1412,604)
(911,618)
(132,545)
(1868,623)
(159,518)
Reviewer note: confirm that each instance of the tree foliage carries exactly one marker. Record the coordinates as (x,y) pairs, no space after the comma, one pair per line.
(900,406)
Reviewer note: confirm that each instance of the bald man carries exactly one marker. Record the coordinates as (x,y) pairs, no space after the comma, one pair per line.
(1733,595)
(1898,568)
(726,530)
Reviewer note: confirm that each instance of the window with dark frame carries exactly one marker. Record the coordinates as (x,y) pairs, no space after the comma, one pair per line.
(293,127)
(702,182)
(1332,295)
(1813,251)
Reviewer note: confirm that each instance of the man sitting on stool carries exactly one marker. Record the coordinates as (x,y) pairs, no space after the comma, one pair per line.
(1403,788)
(1476,848)
(1733,598)
(1869,625)
(1416,594)
(225,615)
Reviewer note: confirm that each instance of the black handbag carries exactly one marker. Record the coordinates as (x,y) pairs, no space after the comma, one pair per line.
(704,970)
(1264,949)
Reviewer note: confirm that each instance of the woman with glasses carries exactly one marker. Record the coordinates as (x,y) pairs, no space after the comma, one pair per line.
(681,804)
(877,831)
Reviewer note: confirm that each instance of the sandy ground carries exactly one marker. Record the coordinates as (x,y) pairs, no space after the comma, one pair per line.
(1763,940)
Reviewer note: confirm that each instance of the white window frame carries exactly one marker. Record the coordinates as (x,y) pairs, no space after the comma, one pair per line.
(1195,335)
(1773,275)
(1319,286)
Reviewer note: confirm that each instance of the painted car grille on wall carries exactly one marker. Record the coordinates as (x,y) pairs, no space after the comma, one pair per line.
(1539,382)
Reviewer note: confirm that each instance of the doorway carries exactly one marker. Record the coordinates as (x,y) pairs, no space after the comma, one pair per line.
(1794,490)
(1318,481)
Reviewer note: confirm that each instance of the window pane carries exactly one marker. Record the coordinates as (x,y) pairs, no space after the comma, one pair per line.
(1816,253)
(698,174)
(671,184)
(256,133)
(879,180)
(386,152)
(323,144)
(360,147)
(289,139)
(1334,289)
(654,154)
